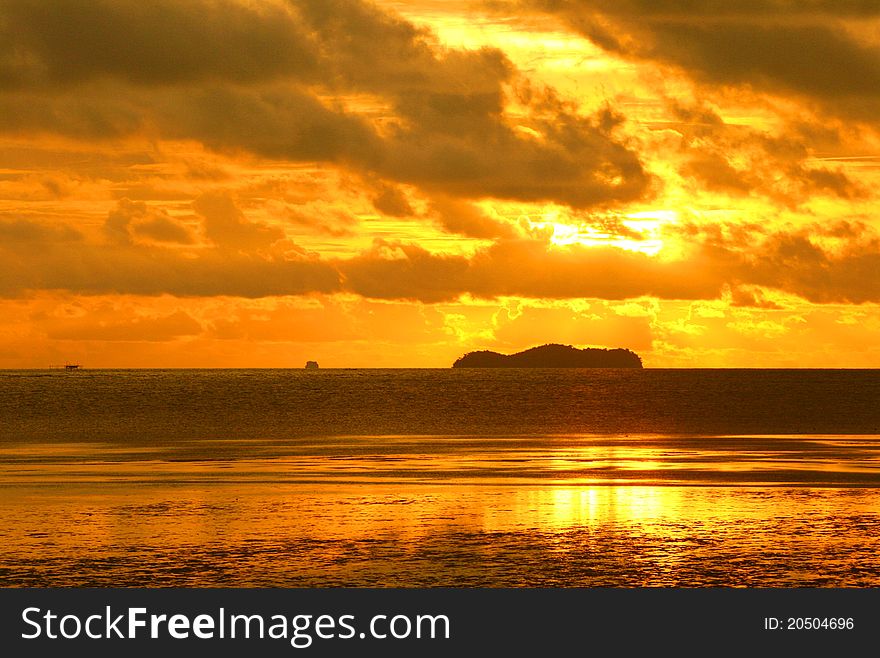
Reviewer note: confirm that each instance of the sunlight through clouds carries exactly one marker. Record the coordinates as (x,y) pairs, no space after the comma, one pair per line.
(463,166)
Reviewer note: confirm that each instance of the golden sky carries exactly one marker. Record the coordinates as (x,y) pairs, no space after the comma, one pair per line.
(234,183)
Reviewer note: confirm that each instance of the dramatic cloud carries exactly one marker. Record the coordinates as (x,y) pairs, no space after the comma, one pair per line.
(843,270)
(795,264)
(824,50)
(68,42)
(375,182)
(268,79)
(840,270)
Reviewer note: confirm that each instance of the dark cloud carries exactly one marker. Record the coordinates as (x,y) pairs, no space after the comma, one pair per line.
(751,297)
(574,163)
(714,172)
(795,264)
(815,60)
(261,78)
(406,271)
(16,230)
(818,50)
(743,258)
(141,271)
(133,220)
(390,199)
(369,49)
(40,257)
(779,166)
(822,264)
(469,220)
(226,225)
(51,42)
(823,179)
(723,9)
(529,268)
(279,121)
(795,261)
(95,114)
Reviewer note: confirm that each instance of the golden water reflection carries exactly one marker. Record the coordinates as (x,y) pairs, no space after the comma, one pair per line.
(427,535)
(454,511)
(562,460)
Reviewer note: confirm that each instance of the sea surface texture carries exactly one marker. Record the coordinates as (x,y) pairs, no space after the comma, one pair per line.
(456,478)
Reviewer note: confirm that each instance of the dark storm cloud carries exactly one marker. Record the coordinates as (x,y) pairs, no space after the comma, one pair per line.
(812,49)
(576,163)
(93,114)
(156,42)
(256,77)
(280,122)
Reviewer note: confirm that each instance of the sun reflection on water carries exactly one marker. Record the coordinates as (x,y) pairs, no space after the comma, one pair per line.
(453,511)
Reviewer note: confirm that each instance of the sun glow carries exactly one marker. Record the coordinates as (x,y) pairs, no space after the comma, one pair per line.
(639,231)
(408,164)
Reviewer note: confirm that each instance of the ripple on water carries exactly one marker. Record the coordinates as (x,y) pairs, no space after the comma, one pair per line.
(447,536)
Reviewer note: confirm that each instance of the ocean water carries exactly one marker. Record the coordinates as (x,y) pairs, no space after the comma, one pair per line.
(424,477)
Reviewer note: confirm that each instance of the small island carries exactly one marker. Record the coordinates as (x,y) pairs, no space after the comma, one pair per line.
(311,365)
(552,356)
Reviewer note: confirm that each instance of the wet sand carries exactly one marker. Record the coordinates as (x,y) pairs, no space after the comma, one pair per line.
(445,511)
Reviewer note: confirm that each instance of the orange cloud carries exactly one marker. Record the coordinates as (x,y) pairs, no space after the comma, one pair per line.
(233,183)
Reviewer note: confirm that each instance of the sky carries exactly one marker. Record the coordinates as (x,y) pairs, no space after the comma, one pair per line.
(257,183)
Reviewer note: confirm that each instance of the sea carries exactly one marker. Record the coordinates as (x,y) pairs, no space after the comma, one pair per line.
(440,478)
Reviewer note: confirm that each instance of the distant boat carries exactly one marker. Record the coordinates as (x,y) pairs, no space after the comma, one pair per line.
(311,365)
(71,366)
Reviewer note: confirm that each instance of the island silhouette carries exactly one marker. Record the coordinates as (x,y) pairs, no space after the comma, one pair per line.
(552,356)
